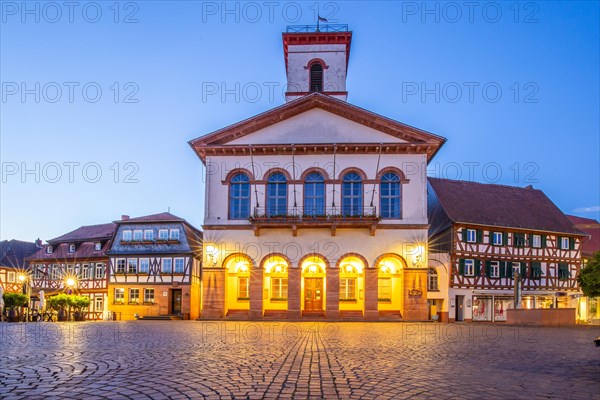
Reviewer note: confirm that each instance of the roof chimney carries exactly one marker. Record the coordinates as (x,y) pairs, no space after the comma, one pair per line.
(528,187)
(38,242)
(124,217)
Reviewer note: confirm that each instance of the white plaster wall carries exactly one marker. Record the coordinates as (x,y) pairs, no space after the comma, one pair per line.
(441,263)
(316,126)
(334,77)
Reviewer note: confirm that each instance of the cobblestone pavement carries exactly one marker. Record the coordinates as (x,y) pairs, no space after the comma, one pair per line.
(188,359)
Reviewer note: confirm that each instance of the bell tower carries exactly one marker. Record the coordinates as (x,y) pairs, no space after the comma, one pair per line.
(316,60)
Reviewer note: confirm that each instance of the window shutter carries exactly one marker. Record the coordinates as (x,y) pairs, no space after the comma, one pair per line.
(505,238)
(559,242)
(479,235)
(502,269)
(543,241)
(571,243)
(527,239)
(523,270)
(464,234)
(488,267)
(477,267)
(461,266)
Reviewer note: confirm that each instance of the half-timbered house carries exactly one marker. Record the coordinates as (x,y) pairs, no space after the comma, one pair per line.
(484,236)
(316,208)
(589,308)
(155,265)
(13,264)
(75,263)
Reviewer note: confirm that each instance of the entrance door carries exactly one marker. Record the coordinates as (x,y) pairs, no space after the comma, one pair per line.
(459,308)
(175,301)
(313,294)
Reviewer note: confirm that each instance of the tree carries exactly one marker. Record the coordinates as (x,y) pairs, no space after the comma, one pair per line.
(14,300)
(589,277)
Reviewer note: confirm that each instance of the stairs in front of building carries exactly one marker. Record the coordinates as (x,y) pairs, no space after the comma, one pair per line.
(162,317)
(391,315)
(351,315)
(313,315)
(237,315)
(275,314)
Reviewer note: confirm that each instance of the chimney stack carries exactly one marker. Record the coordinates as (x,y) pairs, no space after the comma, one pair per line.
(38,242)
(124,217)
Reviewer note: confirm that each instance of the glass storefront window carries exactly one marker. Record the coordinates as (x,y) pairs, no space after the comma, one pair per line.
(500,308)
(544,302)
(482,309)
(527,302)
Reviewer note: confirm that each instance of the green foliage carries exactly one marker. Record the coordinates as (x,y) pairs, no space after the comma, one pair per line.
(79,302)
(589,277)
(14,300)
(58,302)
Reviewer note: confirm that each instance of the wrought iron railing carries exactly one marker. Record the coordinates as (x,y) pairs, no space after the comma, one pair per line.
(317,28)
(325,214)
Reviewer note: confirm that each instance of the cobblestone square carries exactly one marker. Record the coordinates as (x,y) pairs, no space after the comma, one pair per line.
(253,360)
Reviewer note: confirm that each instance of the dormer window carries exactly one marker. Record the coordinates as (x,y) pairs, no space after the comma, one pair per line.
(71,248)
(163,234)
(97,246)
(173,234)
(49,250)
(127,235)
(316,77)
(137,235)
(148,235)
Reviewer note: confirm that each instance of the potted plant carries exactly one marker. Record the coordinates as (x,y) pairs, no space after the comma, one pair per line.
(78,303)
(12,301)
(59,303)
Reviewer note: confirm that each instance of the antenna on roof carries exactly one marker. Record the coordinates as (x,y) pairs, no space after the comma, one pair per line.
(169,209)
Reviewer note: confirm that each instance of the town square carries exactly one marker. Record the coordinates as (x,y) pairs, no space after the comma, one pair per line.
(337,200)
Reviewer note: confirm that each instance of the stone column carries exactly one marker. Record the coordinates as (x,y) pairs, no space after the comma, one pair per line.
(256,294)
(332,306)
(415,303)
(371,309)
(213,294)
(294,287)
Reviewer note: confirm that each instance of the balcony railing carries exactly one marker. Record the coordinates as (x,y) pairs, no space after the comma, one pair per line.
(324,215)
(317,28)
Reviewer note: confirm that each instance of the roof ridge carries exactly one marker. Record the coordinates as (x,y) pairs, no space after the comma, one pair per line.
(529,187)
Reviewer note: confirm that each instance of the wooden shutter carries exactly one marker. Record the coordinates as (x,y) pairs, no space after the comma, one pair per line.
(461,266)
(479,236)
(505,238)
(543,241)
(571,243)
(488,267)
(464,234)
(502,268)
(477,267)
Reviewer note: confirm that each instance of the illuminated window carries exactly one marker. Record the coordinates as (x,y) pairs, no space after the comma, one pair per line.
(243,288)
(279,288)
(384,289)
(119,295)
(432,280)
(148,295)
(11,277)
(134,296)
(348,289)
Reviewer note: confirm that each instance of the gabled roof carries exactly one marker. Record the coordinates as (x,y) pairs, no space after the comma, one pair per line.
(592,228)
(499,205)
(87,233)
(429,142)
(13,252)
(161,217)
(83,251)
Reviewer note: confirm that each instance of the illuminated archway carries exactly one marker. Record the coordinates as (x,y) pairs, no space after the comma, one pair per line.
(390,282)
(275,287)
(313,287)
(352,282)
(237,291)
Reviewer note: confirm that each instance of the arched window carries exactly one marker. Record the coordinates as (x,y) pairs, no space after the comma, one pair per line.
(432,279)
(276,194)
(314,194)
(316,77)
(390,199)
(352,196)
(239,197)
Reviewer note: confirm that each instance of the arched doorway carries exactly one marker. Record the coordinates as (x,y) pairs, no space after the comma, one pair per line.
(275,288)
(237,290)
(313,285)
(390,284)
(352,285)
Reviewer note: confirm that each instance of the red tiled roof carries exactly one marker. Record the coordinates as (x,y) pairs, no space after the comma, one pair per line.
(162,217)
(86,233)
(83,251)
(500,205)
(14,252)
(592,228)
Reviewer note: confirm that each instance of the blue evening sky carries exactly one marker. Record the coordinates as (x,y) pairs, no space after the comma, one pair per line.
(513,86)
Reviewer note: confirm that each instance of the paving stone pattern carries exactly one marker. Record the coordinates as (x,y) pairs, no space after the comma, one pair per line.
(255,360)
